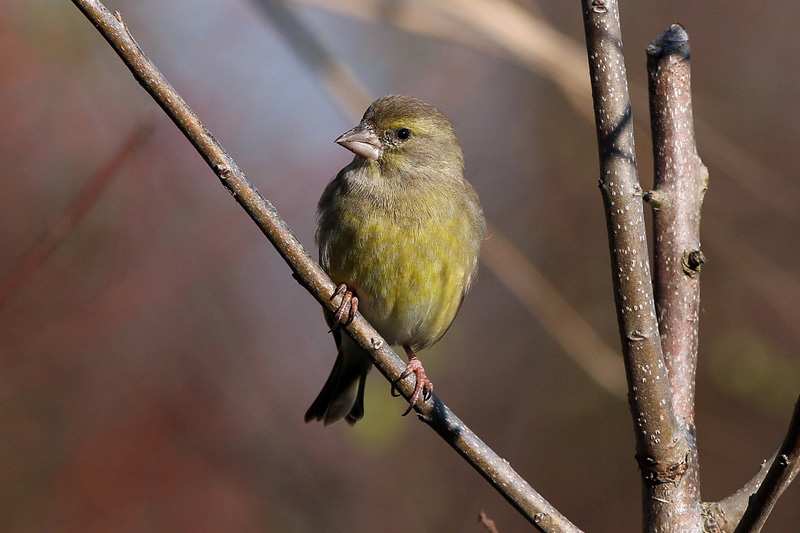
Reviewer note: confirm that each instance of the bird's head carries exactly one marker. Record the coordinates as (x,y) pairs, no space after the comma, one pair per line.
(404,134)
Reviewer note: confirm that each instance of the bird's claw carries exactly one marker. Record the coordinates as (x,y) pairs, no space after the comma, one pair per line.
(348,306)
(423,386)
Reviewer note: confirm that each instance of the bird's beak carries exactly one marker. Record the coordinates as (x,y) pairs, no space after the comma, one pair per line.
(362,141)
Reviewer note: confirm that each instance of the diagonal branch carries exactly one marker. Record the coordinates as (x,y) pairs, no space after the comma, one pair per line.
(661,447)
(492,467)
(723,516)
(781,473)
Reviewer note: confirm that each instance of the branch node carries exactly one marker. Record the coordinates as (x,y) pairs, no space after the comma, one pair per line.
(223,171)
(636,336)
(672,41)
(692,261)
(655,199)
(599,6)
(655,473)
(710,525)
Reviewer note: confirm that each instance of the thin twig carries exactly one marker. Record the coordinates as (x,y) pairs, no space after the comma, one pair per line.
(681,181)
(661,447)
(781,473)
(487,522)
(495,469)
(723,516)
(40,251)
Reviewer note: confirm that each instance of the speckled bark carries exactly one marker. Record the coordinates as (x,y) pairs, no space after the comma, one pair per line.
(662,449)
(681,180)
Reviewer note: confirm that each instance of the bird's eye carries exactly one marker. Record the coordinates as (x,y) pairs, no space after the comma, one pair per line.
(403,134)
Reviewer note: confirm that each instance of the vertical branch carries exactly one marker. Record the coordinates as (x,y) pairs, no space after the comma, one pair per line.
(681,180)
(661,448)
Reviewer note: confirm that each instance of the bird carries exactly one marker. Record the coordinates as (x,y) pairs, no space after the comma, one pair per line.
(399,231)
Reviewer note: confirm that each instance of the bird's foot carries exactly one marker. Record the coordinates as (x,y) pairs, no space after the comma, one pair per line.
(348,306)
(423,386)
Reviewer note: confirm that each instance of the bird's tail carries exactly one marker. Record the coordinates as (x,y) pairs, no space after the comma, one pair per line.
(342,396)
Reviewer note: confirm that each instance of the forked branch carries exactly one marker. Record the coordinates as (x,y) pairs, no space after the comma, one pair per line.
(662,449)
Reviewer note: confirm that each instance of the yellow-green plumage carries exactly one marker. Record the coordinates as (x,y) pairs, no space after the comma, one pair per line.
(402,229)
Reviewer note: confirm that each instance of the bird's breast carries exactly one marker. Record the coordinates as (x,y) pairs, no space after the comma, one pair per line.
(408,267)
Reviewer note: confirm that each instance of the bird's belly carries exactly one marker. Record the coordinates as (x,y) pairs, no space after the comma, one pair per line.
(410,282)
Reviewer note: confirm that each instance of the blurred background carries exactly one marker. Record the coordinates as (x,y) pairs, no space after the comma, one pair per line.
(156,356)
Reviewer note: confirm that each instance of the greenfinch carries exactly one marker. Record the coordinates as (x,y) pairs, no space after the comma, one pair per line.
(400,230)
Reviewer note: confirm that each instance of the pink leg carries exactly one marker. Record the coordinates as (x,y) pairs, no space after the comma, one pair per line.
(423,386)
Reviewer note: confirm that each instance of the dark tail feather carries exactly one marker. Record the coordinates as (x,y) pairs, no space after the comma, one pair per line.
(357,412)
(342,396)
